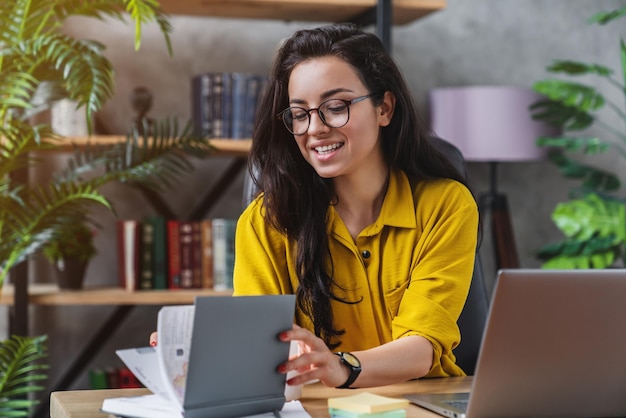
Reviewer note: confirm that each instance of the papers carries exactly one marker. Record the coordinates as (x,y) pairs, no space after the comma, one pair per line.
(163,369)
(154,406)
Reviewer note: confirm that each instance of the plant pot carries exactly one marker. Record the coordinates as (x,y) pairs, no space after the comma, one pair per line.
(70,273)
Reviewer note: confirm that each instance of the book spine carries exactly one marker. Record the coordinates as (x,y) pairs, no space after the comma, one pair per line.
(127,379)
(227,105)
(202,112)
(207,253)
(216,105)
(196,255)
(146,280)
(173,254)
(185,238)
(97,379)
(240,83)
(254,90)
(128,253)
(223,253)
(159,253)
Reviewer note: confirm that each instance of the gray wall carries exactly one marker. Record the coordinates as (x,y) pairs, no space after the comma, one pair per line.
(471,42)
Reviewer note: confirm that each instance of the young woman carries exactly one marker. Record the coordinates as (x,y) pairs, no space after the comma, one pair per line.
(358,215)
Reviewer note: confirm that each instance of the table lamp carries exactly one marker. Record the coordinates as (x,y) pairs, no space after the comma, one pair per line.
(491,124)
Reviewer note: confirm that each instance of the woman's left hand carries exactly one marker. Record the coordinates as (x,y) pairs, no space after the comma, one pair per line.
(316,361)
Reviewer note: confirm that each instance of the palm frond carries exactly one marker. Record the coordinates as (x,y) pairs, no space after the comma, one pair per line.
(28,216)
(154,161)
(20,370)
(87,74)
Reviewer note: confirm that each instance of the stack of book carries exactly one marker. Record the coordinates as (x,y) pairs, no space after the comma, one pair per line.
(367,405)
(224,104)
(158,253)
(112,378)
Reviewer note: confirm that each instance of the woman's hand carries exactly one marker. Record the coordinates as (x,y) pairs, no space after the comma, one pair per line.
(153,339)
(316,361)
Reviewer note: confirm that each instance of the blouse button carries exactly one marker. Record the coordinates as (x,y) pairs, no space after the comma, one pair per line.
(366,254)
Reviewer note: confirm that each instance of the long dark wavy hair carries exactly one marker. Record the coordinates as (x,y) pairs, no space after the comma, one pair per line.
(296,199)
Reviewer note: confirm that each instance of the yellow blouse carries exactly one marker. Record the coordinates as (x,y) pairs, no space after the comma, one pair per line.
(412,268)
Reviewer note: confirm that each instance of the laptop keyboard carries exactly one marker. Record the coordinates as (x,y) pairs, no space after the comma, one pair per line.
(461,404)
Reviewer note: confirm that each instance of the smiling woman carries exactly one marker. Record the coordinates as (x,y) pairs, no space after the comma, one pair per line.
(358,215)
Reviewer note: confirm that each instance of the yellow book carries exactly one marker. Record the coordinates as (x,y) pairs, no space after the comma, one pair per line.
(367,403)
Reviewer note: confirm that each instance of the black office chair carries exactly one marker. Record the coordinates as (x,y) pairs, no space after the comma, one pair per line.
(474,315)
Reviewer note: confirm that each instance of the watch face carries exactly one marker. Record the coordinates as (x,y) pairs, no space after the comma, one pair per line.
(352,360)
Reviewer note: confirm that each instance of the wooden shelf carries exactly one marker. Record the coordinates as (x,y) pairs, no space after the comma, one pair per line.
(223,147)
(404,11)
(49,294)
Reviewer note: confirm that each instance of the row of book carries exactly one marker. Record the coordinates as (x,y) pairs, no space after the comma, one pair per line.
(112,378)
(159,253)
(224,104)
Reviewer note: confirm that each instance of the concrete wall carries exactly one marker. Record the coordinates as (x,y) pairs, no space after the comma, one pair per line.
(471,42)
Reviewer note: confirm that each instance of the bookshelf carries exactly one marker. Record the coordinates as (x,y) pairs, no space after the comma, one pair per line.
(223,147)
(405,11)
(50,295)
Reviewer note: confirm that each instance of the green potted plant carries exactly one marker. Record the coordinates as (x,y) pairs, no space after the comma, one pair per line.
(593,220)
(39,64)
(69,250)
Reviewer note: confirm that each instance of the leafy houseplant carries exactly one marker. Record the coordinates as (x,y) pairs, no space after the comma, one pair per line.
(72,241)
(69,250)
(594,219)
(39,64)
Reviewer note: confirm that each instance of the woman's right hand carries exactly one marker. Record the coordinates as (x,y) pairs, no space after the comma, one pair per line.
(153,339)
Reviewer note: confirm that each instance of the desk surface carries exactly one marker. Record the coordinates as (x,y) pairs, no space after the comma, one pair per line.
(86,403)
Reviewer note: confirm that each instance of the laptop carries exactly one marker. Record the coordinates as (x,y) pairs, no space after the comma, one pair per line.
(554,346)
(233,353)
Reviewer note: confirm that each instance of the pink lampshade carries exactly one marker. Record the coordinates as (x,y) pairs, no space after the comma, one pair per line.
(489,123)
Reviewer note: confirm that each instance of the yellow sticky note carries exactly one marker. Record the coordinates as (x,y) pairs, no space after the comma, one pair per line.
(367,403)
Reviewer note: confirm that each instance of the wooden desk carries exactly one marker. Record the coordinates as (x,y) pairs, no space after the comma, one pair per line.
(86,403)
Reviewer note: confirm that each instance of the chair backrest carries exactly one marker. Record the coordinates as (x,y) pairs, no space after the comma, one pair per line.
(474,315)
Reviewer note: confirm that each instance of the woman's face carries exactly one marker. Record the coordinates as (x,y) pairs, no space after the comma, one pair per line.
(346,150)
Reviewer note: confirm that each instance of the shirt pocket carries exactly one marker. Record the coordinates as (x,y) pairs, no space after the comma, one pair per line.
(393,297)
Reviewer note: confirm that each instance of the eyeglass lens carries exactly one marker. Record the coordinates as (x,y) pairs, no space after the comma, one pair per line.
(334,113)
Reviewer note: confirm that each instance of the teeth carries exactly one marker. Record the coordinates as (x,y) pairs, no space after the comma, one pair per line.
(326,149)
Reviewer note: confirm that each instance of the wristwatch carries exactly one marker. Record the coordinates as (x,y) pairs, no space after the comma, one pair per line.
(353,364)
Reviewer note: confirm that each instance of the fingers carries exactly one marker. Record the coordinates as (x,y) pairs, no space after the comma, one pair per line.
(313,361)
(153,339)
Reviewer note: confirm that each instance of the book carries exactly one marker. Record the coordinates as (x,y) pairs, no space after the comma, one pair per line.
(206,232)
(146,278)
(97,378)
(173,254)
(163,369)
(202,108)
(196,255)
(240,82)
(128,242)
(126,379)
(368,403)
(185,242)
(223,252)
(159,251)
(216,103)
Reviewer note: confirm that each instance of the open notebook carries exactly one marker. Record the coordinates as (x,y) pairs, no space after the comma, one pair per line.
(554,346)
(217,357)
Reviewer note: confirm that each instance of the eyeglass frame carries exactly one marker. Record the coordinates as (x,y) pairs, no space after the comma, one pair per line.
(321,115)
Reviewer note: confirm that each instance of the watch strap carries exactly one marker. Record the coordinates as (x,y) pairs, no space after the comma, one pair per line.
(354,370)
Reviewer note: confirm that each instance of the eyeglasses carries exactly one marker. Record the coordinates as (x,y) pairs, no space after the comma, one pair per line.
(333,113)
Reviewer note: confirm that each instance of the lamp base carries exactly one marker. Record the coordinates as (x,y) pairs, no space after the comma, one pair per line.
(501,230)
